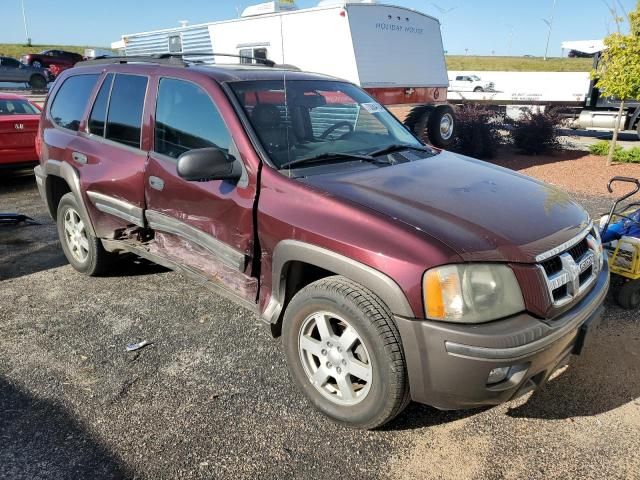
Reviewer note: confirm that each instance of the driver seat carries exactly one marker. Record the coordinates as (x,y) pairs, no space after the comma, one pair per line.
(268,123)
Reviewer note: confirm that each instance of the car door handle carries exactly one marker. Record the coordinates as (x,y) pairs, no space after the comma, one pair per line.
(156,183)
(79,158)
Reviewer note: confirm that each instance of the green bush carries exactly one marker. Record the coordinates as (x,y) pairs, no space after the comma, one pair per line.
(622,155)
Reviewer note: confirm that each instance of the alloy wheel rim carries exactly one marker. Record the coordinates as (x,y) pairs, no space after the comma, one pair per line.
(335,358)
(75,235)
(446,126)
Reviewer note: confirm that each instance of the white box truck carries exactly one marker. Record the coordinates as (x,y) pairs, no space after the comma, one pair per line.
(394,53)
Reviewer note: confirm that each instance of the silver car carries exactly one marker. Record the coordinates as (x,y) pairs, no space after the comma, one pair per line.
(11,70)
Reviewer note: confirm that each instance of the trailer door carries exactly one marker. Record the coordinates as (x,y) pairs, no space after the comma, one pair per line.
(396,47)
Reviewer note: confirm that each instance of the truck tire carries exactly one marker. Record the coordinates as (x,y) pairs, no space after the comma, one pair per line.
(38,82)
(84,252)
(628,296)
(478,89)
(417,121)
(344,351)
(442,126)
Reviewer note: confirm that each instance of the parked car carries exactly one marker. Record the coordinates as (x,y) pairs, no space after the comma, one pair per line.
(470,83)
(18,128)
(11,70)
(391,270)
(58,60)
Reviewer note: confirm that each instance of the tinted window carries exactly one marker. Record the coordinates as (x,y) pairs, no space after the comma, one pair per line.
(187,119)
(71,100)
(10,62)
(17,107)
(99,111)
(124,119)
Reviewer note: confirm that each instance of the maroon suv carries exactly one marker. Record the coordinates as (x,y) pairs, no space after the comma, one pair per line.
(391,270)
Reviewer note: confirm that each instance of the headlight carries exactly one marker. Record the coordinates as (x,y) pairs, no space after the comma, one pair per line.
(472,293)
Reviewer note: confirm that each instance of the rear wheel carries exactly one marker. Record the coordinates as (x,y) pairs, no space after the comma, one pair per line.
(84,252)
(629,295)
(38,82)
(441,126)
(344,352)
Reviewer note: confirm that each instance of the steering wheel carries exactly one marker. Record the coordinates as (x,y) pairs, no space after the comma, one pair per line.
(335,126)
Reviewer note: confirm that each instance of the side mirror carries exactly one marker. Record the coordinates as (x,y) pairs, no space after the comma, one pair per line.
(206,164)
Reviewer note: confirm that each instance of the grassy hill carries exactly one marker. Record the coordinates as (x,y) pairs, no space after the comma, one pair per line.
(16,50)
(518,64)
(454,62)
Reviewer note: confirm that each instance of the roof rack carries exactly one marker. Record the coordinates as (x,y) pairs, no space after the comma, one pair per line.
(173,59)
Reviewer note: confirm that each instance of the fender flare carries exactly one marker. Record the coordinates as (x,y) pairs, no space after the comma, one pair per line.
(293,250)
(56,168)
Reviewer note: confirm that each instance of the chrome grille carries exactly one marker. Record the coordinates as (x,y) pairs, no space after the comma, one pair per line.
(571,269)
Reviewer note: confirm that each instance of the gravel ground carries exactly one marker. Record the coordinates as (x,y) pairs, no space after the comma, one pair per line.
(211,398)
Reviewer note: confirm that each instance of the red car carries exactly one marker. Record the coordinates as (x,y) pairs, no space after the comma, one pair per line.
(55,60)
(18,128)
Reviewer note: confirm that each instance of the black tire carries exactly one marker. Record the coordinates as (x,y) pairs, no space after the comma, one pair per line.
(388,392)
(638,129)
(436,135)
(417,121)
(628,295)
(38,82)
(478,89)
(97,258)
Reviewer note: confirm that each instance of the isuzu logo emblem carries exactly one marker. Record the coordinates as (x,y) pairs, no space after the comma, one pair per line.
(19,126)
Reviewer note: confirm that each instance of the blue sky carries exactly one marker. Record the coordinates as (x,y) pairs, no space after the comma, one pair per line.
(482,27)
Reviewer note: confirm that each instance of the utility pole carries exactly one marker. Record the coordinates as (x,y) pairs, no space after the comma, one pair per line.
(550,25)
(26,30)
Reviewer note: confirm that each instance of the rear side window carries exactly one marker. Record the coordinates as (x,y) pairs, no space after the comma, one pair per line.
(187,119)
(71,101)
(99,112)
(124,118)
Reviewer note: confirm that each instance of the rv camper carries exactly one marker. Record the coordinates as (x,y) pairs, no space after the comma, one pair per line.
(394,53)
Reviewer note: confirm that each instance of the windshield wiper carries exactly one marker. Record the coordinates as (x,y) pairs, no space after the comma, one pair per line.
(394,147)
(329,156)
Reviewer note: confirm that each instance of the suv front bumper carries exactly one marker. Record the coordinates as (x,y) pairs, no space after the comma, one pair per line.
(449,364)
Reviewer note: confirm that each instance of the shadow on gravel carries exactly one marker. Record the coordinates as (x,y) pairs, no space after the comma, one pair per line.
(417,415)
(129,265)
(605,378)
(15,264)
(12,180)
(40,439)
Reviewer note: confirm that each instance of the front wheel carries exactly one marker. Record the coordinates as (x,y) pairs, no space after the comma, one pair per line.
(38,82)
(344,352)
(478,89)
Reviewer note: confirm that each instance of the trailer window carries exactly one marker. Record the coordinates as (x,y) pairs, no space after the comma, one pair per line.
(175,44)
(252,55)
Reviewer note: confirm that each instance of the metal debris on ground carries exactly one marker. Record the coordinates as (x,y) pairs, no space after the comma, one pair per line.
(132,347)
(15,219)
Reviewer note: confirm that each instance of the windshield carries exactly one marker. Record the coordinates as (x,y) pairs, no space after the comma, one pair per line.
(316,117)
(17,107)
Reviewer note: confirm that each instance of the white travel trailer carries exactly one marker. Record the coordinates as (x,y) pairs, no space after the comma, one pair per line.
(394,53)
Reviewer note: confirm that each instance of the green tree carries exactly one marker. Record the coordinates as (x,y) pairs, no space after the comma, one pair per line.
(618,72)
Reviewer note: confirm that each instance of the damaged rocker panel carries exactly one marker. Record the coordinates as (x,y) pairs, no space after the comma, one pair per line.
(226,254)
(118,208)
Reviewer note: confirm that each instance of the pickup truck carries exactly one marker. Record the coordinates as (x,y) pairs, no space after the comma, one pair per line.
(392,271)
(470,83)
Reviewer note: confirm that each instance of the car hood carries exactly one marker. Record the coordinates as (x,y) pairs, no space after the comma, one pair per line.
(481,211)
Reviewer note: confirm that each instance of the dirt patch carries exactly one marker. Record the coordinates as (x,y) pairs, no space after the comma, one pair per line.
(574,171)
